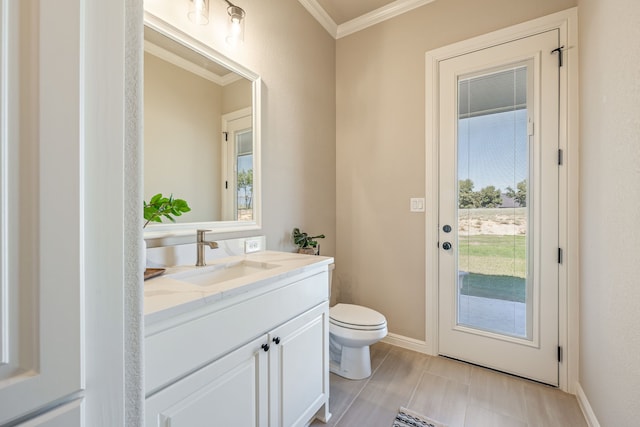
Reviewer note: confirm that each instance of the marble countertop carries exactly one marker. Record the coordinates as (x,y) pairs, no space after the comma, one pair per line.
(166,296)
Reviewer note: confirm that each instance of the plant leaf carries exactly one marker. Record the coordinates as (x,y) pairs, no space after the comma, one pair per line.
(154,200)
(166,207)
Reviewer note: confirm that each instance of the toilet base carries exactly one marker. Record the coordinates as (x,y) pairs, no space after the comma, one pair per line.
(355,363)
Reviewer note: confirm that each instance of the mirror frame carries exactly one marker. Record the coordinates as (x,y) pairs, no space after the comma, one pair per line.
(168,230)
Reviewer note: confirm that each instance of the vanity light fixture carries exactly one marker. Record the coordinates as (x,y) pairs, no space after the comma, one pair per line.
(199,12)
(235,33)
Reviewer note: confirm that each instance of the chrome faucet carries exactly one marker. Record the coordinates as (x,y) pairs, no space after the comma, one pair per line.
(200,242)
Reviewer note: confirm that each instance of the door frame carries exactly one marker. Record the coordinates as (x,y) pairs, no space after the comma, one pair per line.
(568,297)
(228,199)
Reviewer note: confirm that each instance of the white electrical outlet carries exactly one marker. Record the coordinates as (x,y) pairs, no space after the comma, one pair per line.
(251,245)
(417,204)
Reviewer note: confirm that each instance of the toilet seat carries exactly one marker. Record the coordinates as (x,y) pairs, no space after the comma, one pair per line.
(355,317)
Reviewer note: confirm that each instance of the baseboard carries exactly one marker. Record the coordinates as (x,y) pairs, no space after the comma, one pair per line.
(585,406)
(406,342)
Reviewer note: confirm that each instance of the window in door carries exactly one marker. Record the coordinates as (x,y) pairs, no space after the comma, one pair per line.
(493,225)
(244,175)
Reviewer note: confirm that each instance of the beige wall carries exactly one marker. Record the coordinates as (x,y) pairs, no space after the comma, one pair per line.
(609,206)
(378,161)
(236,95)
(380,87)
(182,117)
(182,134)
(295,58)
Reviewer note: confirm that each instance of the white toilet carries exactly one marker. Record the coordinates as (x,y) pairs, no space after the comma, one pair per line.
(352,329)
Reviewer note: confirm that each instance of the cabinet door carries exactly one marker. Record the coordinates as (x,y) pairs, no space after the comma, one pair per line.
(231,391)
(299,368)
(63,416)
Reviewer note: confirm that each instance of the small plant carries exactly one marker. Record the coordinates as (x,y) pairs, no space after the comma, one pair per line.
(167,207)
(303,240)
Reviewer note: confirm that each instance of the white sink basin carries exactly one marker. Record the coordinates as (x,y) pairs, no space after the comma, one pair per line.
(217,273)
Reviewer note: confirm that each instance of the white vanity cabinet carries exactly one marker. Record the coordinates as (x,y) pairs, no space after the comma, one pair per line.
(298,369)
(232,391)
(259,358)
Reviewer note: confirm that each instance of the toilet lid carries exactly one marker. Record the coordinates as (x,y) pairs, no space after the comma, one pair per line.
(350,315)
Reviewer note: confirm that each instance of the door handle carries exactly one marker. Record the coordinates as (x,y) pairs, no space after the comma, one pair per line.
(446,246)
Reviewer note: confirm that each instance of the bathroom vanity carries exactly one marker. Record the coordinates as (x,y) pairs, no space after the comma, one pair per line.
(240,342)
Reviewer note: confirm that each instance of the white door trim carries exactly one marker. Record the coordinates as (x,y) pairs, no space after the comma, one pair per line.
(566,23)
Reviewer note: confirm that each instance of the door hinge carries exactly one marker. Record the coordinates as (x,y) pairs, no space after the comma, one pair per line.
(560,157)
(559,255)
(559,50)
(226,185)
(559,354)
(226,135)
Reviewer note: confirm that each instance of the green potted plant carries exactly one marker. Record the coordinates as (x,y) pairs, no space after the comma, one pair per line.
(167,207)
(306,244)
(160,207)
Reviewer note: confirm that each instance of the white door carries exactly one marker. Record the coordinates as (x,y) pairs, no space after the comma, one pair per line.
(66,290)
(498,207)
(41,357)
(237,168)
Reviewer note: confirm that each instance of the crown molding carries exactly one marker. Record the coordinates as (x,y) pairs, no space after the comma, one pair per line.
(381,14)
(178,61)
(321,15)
(398,7)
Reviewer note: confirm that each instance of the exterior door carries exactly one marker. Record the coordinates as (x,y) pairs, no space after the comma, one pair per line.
(498,207)
(237,168)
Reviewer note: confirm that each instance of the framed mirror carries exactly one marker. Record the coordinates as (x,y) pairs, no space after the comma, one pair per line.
(201,133)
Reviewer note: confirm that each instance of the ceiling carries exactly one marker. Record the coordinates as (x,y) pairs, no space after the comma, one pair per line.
(343,17)
(342,11)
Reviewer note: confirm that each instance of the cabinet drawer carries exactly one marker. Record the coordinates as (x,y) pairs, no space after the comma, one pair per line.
(177,351)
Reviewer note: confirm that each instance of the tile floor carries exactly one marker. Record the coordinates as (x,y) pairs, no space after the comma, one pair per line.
(451,392)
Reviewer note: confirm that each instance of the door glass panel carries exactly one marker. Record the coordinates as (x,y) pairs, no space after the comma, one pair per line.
(493,211)
(244,177)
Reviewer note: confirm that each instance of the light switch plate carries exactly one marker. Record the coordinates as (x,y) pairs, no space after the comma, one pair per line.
(417,204)
(251,245)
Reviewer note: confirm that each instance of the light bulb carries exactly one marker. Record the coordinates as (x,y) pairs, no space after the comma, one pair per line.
(235,27)
(235,33)
(199,11)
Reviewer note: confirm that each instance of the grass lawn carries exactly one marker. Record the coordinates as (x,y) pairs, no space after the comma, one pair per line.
(496,263)
(493,255)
